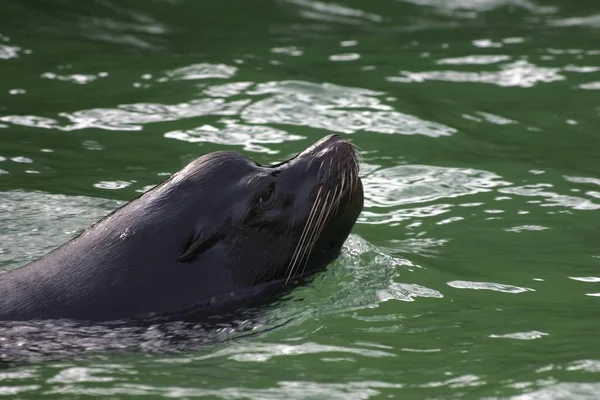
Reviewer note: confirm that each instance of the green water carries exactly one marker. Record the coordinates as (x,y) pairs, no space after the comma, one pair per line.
(474,269)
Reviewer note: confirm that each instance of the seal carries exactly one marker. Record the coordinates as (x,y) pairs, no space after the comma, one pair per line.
(224,226)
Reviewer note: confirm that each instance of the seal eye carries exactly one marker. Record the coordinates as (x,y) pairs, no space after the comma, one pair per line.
(268,195)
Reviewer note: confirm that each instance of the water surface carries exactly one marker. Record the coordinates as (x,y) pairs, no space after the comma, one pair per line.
(473,271)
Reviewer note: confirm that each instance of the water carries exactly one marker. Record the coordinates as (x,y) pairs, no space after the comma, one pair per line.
(473,270)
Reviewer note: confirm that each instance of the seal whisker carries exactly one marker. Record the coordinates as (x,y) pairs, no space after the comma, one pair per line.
(337,206)
(323,217)
(358,157)
(351,182)
(297,251)
(354,182)
(300,244)
(323,210)
(310,239)
(314,235)
(357,152)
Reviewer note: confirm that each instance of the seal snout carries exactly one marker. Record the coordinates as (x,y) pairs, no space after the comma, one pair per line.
(338,164)
(331,169)
(331,143)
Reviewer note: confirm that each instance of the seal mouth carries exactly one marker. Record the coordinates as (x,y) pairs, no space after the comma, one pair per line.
(337,199)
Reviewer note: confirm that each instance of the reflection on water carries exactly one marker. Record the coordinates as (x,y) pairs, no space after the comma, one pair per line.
(333,12)
(410,184)
(322,106)
(497,287)
(81,79)
(250,137)
(202,71)
(262,352)
(483,5)
(521,335)
(34,223)
(7,52)
(129,117)
(288,389)
(333,108)
(393,189)
(518,73)
(407,292)
(477,247)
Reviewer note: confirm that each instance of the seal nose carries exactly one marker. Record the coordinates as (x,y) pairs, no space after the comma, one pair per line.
(331,144)
(329,140)
(333,138)
(324,148)
(328,144)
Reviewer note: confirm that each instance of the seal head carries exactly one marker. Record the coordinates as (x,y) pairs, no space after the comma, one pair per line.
(283,220)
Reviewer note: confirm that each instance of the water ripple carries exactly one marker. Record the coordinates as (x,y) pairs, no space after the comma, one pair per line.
(590,21)
(532,335)
(455,7)
(333,12)
(7,51)
(392,217)
(566,390)
(251,137)
(289,50)
(593,279)
(474,60)
(227,89)
(127,26)
(261,352)
(130,117)
(21,159)
(84,374)
(519,74)
(410,184)
(521,228)
(590,86)
(407,292)
(80,79)
(352,390)
(468,380)
(112,185)
(14,390)
(585,365)
(519,219)
(344,57)
(551,199)
(24,216)
(496,287)
(318,106)
(202,71)
(323,106)
(583,179)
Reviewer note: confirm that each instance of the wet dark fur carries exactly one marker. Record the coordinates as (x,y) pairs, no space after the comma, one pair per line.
(219,229)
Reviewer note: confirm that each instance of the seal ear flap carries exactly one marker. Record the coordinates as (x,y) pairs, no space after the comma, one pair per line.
(198,243)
